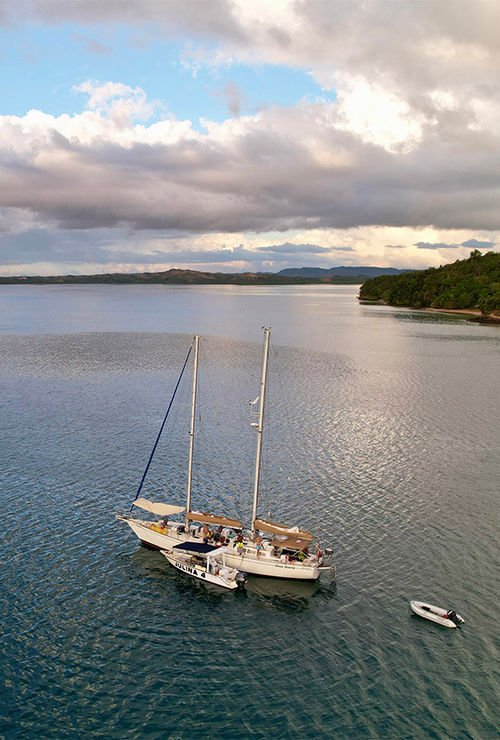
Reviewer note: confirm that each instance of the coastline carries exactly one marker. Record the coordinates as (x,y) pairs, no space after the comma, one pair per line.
(471,314)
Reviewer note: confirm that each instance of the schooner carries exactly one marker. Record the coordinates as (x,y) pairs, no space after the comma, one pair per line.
(283,552)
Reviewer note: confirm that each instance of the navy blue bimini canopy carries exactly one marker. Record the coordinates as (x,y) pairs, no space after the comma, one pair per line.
(195,547)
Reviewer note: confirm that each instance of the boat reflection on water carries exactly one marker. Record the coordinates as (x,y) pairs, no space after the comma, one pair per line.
(288,595)
(147,568)
(281,588)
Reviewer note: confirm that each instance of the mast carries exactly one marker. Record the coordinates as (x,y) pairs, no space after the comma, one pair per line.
(260,426)
(191,428)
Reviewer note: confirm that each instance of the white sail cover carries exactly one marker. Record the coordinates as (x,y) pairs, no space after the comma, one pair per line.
(204,518)
(158,508)
(284,529)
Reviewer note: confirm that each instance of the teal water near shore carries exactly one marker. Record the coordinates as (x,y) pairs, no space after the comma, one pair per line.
(384,430)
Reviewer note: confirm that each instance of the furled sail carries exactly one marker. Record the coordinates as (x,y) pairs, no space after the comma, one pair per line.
(290,543)
(274,528)
(158,508)
(201,516)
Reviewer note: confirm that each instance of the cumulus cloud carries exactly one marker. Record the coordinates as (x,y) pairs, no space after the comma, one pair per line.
(408,138)
(120,103)
(280,169)
(449,61)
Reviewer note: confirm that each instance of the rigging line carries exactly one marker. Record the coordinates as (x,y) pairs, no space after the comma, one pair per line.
(161,428)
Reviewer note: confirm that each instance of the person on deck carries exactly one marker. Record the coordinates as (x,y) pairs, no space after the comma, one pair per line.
(258,544)
(206,534)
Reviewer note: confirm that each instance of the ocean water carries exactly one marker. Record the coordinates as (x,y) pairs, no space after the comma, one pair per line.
(383,433)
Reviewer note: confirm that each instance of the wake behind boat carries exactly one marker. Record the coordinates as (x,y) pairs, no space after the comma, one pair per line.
(205,562)
(444,617)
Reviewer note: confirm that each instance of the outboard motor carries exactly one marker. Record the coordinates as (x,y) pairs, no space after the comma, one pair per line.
(453,616)
(241,578)
(327,555)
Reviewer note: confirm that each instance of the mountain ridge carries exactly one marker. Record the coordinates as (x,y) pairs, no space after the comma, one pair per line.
(289,276)
(342,271)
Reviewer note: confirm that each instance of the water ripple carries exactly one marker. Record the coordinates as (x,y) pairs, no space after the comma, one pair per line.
(378,450)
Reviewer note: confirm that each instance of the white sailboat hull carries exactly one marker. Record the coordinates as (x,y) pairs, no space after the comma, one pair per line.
(225,578)
(266,559)
(265,565)
(269,565)
(152,537)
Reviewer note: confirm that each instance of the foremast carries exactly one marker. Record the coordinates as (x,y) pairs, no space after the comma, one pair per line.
(260,426)
(196,342)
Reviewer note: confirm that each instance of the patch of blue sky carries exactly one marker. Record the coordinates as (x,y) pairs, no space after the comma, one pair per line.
(47,62)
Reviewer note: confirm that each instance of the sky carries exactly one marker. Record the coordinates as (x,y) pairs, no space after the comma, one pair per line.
(247,135)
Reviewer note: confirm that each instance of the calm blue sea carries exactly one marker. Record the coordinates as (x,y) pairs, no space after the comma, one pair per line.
(383,432)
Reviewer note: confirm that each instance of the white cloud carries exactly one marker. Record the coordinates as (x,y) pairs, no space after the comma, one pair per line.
(122,104)
(411,141)
(280,169)
(376,115)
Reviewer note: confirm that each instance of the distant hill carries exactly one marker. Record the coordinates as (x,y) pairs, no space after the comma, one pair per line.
(179,277)
(354,272)
(473,283)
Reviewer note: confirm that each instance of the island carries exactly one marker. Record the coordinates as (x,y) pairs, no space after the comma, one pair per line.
(348,276)
(469,286)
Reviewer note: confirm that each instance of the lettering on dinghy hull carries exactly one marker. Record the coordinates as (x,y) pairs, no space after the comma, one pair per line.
(205,562)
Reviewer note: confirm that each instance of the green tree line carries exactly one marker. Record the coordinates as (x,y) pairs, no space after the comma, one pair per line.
(469,283)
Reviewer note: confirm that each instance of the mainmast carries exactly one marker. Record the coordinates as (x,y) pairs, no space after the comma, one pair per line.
(191,429)
(260,425)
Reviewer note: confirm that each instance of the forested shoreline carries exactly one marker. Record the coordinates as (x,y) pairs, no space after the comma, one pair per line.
(473,283)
